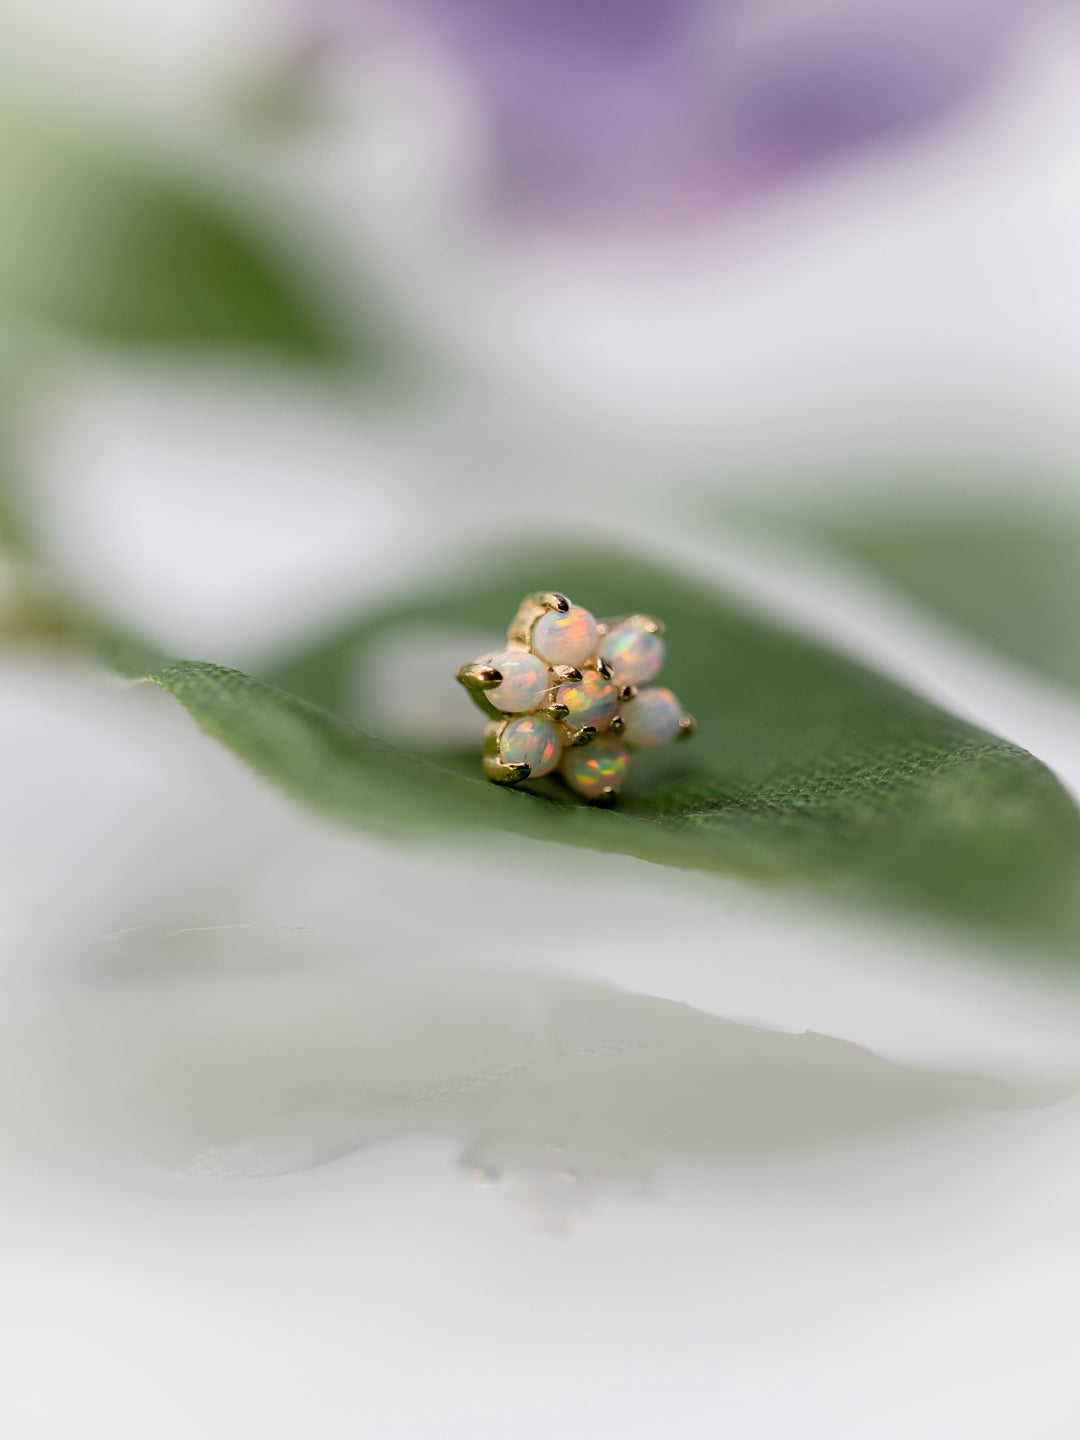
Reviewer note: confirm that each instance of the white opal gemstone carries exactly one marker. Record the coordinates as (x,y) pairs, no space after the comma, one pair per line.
(592,700)
(531,739)
(524,684)
(567,638)
(592,769)
(634,654)
(651,718)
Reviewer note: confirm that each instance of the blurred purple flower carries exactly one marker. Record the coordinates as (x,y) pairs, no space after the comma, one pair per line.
(659,109)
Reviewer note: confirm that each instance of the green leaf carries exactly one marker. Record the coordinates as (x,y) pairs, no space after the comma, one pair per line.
(14,526)
(1009,576)
(806,763)
(106,245)
(18,389)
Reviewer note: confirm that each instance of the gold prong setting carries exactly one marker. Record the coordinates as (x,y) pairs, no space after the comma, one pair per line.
(571,693)
(553,600)
(583,735)
(480,675)
(521,747)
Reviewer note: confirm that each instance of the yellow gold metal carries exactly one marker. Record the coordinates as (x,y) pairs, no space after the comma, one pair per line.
(506,774)
(585,735)
(603,667)
(555,711)
(479,676)
(618,725)
(687,728)
(628,692)
(566,672)
(529,612)
(494,768)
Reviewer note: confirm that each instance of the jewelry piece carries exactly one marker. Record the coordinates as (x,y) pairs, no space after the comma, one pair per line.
(566,695)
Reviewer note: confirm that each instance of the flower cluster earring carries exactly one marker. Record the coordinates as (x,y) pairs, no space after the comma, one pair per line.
(571,693)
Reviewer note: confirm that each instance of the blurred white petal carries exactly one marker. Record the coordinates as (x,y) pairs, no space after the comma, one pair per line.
(217,512)
(236,1074)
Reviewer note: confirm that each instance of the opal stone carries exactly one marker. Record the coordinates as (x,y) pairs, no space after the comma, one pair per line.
(531,739)
(651,718)
(567,638)
(592,700)
(590,769)
(524,685)
(633,653)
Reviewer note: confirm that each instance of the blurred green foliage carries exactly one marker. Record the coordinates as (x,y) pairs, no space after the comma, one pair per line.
(1008,576)
(14,524)
(806,763)
(109,246)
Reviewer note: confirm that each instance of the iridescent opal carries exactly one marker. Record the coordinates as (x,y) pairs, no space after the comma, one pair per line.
(592,700)
(531,739)
(593,769)
(565,638)
(524,683)
(651,718)
(633,653)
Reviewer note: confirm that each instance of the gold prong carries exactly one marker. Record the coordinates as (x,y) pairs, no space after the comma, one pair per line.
(687,727)
(652,625)
(628,692)
(512,774)
(555,711)
(529,612)
(618,725)
(602,628)
(495,768)
(585,736)
(504,774)
(566,672)
(606,795)
(603,667)
(479,676)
